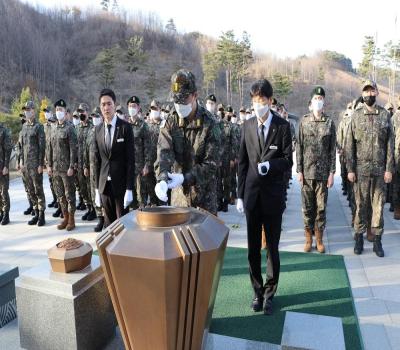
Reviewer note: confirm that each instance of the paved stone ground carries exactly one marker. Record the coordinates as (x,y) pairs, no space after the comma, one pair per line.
(375,282)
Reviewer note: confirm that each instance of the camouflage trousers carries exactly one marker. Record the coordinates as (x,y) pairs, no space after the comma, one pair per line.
(34,187)
(84,187)
(343,172)
(4,196)
(224,183)
(314,195)
(234,181)
(51,182)
(65,190)
(24,181)
(369,194)
(99,210)
(194,196)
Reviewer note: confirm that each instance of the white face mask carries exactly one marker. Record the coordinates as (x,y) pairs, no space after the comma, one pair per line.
(29,114)
(47,115)
(183,110)
(155,115)
(248,116)
(96,121)
(132,111)
(75,121)
(242,116)
(234,120)
(60,115)
(210,107)
(317,105)
(260,110)
(120,116)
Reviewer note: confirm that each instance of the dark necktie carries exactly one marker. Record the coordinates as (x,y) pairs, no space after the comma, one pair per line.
(108,143)
(261,139)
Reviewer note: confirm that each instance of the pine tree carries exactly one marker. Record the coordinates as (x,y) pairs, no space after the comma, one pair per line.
(366,66)
(282,86)
(105,67)
(19,102)
(135,56)
(44,103)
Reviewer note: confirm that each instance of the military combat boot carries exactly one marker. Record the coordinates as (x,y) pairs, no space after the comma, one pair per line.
(29,210)
(100,224)
(41,221)
(1,216)
(359,245)
(63,223)
(85,216)
(71,221)
(378,246)
(318,237)
(34,219)
(308,235)
(92,214)
(6,218)
(57,213)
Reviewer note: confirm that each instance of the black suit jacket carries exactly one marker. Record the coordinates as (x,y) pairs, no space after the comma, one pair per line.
(278,151)
(119,164)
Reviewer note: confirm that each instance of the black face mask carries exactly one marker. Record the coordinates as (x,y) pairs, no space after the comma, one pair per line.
(369,100)
(82,117)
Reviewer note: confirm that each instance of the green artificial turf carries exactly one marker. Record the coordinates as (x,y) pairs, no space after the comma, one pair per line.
(309,283)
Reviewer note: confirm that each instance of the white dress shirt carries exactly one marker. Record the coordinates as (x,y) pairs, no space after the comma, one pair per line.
(267,124)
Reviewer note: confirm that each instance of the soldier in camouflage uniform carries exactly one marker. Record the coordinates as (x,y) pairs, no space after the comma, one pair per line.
(316,165)
(157,121)
(47,131)
(18,153)
(188,149)
(370,164)
(211,106)
(236,146)
(5,154)
(31,162)
(62,158)
(83,171)
(396,177)
(141,140)
(89,164)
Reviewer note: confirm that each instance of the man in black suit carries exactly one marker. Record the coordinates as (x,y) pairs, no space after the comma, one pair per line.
(114,160)
(264,157)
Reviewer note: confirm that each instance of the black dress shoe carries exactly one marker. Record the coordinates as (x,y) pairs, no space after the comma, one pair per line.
(267,308)
(257,304)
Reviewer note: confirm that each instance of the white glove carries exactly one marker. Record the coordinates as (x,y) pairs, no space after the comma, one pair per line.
(176,180)
(239,206)
(97,199)
(161,191)
(261,166)
(128,198)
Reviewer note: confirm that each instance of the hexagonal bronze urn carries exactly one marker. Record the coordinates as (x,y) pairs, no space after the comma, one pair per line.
(70,255)
(162,266)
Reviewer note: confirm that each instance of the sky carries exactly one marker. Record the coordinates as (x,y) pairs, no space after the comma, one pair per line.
(283,28)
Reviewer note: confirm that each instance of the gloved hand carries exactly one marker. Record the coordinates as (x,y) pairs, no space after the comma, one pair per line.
(240,206)
(263,168)
(161,191)
(176,180)
(128,198)
(97,199)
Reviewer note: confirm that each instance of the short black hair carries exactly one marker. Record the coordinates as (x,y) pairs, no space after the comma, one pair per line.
(261,88)
(107,92)
(274,101)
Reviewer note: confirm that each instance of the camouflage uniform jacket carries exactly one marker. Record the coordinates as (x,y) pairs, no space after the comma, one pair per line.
(316,147)
(191,147)
(141,137)
(32,145)
(369,142)
(5,147)
(63,147)
(82,135)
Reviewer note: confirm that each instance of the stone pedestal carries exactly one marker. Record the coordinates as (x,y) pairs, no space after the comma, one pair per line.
(64,311)
(8,307)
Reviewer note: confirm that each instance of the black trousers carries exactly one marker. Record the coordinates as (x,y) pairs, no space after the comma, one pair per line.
(113,205)
(272,224)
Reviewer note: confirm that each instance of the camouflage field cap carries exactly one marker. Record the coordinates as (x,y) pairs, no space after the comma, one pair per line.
(83,107)
(368,83)
(183,83)
(154,104)
(28,105)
